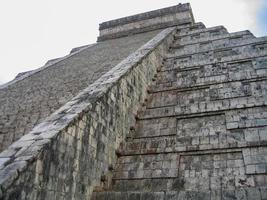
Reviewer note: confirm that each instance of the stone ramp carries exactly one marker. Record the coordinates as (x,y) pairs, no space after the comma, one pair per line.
(201,133)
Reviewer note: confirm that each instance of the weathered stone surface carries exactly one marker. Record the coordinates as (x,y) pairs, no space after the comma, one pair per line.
(157,19)
(183,117)
(201,133)
(67,154)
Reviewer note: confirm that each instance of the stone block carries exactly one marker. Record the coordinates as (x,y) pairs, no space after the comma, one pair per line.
(253,193)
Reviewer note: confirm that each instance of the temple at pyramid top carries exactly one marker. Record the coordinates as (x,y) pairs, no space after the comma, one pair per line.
(158,19)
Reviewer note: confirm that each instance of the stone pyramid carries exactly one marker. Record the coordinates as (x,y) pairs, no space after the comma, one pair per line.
(160,108)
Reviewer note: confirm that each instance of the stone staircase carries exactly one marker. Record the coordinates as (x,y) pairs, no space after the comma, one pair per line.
(202,132)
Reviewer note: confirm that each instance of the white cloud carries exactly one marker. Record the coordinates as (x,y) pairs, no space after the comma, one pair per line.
(33,32)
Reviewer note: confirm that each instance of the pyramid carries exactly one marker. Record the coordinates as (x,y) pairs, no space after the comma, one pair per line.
(160,108)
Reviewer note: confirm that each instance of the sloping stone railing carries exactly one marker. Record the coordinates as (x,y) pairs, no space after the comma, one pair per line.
(65,156)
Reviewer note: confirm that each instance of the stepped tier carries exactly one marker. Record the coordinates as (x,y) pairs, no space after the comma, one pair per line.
(160,108)
(202,132)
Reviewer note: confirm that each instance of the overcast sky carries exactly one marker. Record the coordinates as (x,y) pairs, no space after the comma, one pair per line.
(34,31)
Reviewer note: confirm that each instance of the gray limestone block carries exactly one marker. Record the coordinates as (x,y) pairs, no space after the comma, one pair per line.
(263,193)
(101,196)
(134,196)
(253,193)
(10,152)
(115,195)
(10,173)
(152,196)
(3,162)
(171,195)
(228,194)
(241,194)
(193,195)
(261,168)
(216,194)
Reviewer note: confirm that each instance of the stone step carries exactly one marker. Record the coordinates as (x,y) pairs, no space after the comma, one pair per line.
(187,63)
(169,144)
(216,129)
(210,74)
(229,91)
(199,26)
(207,37)
(206,171)
(148,185)
(198,32)
(243,48)
(228,41)
(205,165)
(201,107)
(182,30)
(255,48)
(148,166)
(238,194)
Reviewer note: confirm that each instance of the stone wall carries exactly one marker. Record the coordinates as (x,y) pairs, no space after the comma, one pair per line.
(65,156)
(154,20)
(202,132)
